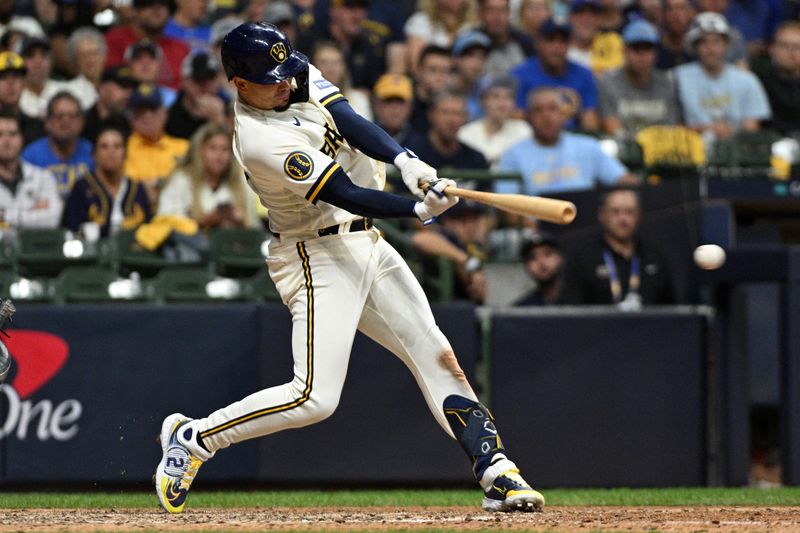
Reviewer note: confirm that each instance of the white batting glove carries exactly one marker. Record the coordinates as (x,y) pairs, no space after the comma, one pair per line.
(414,172)
(435,202)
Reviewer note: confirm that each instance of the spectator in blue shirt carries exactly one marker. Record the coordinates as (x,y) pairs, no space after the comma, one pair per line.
(554,160)
(62,151)
(552,69)
(187,24)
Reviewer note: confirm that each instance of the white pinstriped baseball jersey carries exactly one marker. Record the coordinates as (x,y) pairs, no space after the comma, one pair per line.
(289,155)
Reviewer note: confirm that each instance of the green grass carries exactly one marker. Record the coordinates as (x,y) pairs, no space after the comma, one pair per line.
(360,498)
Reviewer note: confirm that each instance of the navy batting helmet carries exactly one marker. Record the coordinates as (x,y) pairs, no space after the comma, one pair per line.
(259,52)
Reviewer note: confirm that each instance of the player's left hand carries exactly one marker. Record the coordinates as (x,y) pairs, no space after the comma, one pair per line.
(435,202)
(415,172)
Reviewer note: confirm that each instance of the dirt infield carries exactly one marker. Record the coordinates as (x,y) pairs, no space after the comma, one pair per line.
(567,519)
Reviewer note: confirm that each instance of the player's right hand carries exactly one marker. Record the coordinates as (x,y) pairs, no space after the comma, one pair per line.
(414,172)
(435,202)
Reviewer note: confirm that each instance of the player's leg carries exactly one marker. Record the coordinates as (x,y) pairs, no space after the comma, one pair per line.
(397,315)
(325,290)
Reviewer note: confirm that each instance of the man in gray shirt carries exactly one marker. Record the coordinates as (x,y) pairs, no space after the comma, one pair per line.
(637,95)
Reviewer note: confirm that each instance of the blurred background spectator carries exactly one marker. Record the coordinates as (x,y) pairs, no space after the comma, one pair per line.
(678,15)
(509,45)
(469,60)
(114,90)
(188,24)
(779,72)
(209,185)
(201,98)
(105,198)
(532,14)
(497,130)
(87,54)
(736,51)
(146,62)
(149,20)
(543,261)
(618,268)
(39,87)
(551,68)
(637,95)
(392,102)
(431,76)
(554,160)
(12,83)
(591,46)
(29,195)
(152,154)
(330,60)
(718,98)
(62,151)
(437,22)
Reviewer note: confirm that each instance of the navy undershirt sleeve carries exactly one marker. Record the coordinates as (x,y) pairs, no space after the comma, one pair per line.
(343,193)
(363,134)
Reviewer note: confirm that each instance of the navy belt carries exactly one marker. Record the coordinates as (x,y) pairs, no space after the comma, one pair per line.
(362,224)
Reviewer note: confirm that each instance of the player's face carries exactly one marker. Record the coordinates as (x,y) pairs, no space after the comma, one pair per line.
(10,140)
(109,152)
(264,96)
(216,155)
(711,49)
(65,122)
(620,215)
(544,263)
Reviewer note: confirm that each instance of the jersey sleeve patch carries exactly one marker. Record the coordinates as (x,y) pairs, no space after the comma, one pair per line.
(323,84)
(298,166)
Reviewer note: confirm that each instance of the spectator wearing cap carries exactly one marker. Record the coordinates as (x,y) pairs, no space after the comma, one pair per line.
(363,44)
(330,61)
(114,91)
(39,87)
(392,100)
(441,148)
(87,51)
(678,15)
(282,15)
(544,263)
(590,46)
(187,24)
(780,75)
(737,50)
(717,97)
(433,74)
(637,95)
(618,268)
(62,151)
(469,57)
(146,61)
(201,98)
(28,194)
(460,236)
(106,198)
(551,68)
(149,19)
(152,153)
(497,130)
(437,22)
(508,46)
(219,30)
(12,83)
(553,160)
(12,20)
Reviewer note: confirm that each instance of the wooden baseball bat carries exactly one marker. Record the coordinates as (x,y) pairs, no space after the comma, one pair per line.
(548,209)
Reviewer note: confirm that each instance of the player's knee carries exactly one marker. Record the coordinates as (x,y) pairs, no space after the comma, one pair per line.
(319,407)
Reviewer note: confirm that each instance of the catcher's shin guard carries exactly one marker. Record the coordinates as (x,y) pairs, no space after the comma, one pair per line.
(473,427)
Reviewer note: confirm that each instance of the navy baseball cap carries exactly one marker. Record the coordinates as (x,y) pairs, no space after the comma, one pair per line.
(470,39)
(146,95)
(586,5)
(542,238)
(551,27)
(640,31)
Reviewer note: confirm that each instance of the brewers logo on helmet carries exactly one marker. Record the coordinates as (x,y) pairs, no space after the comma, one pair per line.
(278,52)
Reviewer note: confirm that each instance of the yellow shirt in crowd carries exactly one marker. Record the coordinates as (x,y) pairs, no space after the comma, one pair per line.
(148,161)
(607,52)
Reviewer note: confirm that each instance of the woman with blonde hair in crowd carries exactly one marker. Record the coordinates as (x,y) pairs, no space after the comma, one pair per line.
(329,59)
(437,22)
(209,185)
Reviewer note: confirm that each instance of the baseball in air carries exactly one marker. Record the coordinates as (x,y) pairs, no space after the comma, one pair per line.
(709,256)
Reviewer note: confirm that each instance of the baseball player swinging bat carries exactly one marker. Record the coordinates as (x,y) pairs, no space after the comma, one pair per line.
(547,209)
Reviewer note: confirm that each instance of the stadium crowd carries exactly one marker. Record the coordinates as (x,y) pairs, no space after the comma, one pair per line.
(113,112)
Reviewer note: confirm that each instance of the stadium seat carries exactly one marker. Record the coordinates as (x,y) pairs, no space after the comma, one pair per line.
(754,148)
(237,252)
(260,287)
(128,256)
(40,252)
(83,284)
(180,285)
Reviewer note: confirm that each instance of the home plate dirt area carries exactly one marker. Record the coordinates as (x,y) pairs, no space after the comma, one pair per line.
(680,518)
